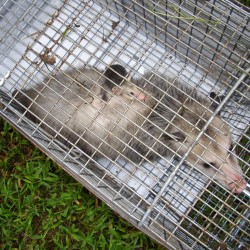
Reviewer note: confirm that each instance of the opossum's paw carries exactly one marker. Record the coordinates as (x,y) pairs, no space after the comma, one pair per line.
(117,90)
(217,99)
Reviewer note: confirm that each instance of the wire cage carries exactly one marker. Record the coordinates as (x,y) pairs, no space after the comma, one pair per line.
(206,44)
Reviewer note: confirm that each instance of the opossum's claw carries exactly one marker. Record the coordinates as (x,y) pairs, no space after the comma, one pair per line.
(217,99)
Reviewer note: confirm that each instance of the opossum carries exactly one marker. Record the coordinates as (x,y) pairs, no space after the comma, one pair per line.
(64,107)
(165,123)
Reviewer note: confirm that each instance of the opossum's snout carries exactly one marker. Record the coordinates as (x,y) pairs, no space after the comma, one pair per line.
(238,185)
(141,96)
(213,155)
(230,176)
(221,166)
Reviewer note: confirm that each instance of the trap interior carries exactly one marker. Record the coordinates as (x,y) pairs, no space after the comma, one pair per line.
(204,44)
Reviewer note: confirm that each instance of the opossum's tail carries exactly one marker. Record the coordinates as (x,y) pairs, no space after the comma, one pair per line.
(6,99)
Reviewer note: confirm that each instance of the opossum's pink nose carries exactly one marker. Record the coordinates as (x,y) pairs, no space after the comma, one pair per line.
(238,185)
(141,97)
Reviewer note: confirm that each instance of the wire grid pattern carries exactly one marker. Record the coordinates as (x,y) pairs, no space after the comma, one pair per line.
(205,43)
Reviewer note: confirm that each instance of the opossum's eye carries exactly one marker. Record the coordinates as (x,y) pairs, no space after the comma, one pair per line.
(208,165)
(132,93)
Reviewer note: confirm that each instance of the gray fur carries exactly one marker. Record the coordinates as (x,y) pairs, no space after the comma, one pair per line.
(65,105)
(165,124)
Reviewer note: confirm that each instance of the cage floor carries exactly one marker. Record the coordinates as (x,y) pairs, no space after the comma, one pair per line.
(98,34)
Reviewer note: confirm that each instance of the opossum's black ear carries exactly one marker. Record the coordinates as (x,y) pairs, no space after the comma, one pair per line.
(216,100)
(114,75)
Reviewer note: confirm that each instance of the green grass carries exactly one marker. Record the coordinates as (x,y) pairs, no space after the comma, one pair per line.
(246,2)
(42,207)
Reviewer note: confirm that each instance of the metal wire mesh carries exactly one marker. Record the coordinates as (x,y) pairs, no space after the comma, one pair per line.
(204,43)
